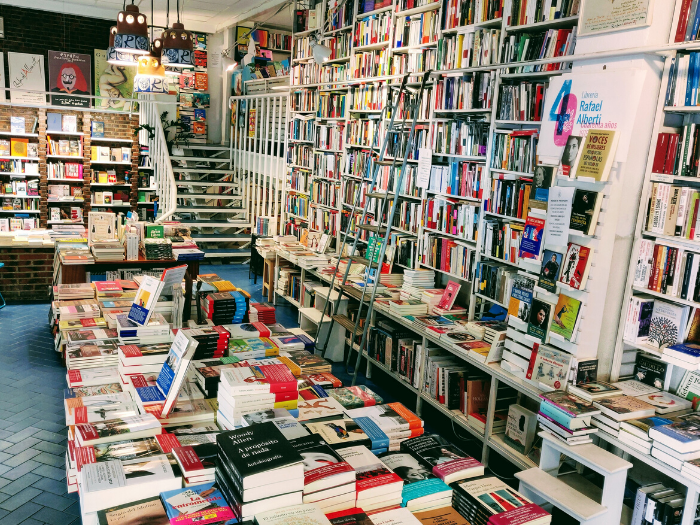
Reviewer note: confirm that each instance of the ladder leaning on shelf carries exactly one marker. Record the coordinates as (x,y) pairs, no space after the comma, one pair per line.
(411,100)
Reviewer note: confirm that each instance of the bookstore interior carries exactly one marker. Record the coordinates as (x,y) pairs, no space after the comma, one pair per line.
(476,229)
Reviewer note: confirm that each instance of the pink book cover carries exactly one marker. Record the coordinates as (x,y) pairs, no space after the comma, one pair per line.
(449,467)
(519,516)
(449,296)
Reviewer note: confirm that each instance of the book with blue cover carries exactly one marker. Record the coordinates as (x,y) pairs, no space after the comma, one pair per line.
(199,504)
(420,484)
(379,439)
(174,369)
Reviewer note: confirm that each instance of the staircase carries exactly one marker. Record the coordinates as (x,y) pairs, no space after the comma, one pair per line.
(211,200)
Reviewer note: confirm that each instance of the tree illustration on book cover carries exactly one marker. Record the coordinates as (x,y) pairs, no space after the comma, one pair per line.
(662,332)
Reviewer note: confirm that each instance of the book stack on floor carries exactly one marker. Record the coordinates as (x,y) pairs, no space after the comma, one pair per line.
(252,389)
(258,470)
(567,417)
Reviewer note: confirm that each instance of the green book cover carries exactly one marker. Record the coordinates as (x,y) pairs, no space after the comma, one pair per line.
(565,316)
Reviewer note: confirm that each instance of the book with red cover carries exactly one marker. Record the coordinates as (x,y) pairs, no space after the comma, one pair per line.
(108,286)
(682,21)
(671,153)
(662,142)
(575,265)
(519,516)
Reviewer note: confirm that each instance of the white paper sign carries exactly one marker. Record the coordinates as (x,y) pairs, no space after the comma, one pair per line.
(558,216)
(26,72)
(425,163)
(602,16)
(578,102)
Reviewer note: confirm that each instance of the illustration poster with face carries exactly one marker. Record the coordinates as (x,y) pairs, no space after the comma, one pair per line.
(114,82)
(26,72)
(70,74)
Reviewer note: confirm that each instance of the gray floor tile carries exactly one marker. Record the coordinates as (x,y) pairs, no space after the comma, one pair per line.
(22,513)
(26,443)
(14,502)
(49,459)
(54,501)
(19,484)
(17,460)
(24,468)
(51,448)
(51,516)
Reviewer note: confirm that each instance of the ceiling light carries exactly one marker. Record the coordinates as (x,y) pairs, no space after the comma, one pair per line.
(118,58)
(178,47)
(132,31)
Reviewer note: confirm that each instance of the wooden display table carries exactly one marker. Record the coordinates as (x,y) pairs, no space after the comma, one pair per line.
(76,273)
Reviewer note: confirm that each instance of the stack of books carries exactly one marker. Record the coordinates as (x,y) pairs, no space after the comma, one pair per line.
(396,421)
(67,292)
(614,410)
(422,490)
(567,417)
(262,313)
(377,486)
(408,307)
(251,389)
(220,307)
(678,442)
(89,310)
(157,330)
(329,481)
(213,342)
(258,470)
(107,251)
(88,355)
(196,463)
(635,432)
(483,499)
(158,249)
(141,360)
(92,376)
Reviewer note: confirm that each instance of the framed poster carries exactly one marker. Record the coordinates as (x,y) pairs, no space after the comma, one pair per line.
(251,122)
(70,73)
(604,16)
(115,82)
(26,72)
(577,102)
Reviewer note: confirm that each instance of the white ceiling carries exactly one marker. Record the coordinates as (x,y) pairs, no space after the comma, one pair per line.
(207,16)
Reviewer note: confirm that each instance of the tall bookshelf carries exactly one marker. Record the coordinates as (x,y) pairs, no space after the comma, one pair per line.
(667,118)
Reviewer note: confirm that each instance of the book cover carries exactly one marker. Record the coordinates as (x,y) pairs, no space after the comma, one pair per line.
(651,371)
(667,324)
(531,242)
(540,319)
(323,466)
(355,397)
(340,432)
(173,372)
(584,211)
(326,407)
(521,427)
(199,504)
(573,405)
(565,319)
(449,296)
(146,298)
(149,510)
(441,516)
(575,267)
(665,402)
(304,514)
(551,268)
(624,405)
(492,495)
(445,460)
(521,297)
(370,470)
(257,448)
(597,154)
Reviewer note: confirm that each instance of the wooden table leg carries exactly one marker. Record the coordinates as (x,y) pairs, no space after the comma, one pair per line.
(190,276)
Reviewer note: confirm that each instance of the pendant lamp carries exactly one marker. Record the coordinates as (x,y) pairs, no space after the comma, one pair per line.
(132,31)
(150,72)
(118,58)
(178,45)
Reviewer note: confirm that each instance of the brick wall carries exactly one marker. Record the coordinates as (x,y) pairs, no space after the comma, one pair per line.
(27,274)
(37,32)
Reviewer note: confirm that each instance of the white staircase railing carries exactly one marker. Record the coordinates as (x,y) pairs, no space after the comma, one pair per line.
(166,188)
(258,154)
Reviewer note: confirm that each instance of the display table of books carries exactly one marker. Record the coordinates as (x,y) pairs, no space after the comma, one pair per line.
(221,423)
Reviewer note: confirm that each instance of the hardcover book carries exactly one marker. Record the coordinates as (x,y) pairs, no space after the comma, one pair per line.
(323,467)
(584,211)
(340,433)
(622,408)
(573,405)
(370,470)
(531,242)
(652,371)
(355,397)
(521,427)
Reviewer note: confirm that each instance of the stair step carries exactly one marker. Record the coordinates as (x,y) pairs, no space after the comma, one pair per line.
(199,159)
(216,196)
(203,223)
(208,209)
(590,455)
(206,238)
(202,147)
(561,495)
(179,169)
(225,184)
(227,253)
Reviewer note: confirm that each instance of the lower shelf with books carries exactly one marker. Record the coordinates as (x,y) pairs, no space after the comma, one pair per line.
(521,460)
(454,415)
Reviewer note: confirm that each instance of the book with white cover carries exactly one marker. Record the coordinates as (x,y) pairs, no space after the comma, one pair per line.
(690,384)
(622,408)
(401,516)
(374,478)
(635,388)
(115,482)
(306,513)
(117,430)
(667,324)
(664,402)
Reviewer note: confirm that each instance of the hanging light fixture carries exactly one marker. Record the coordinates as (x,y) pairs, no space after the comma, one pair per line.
(150,72)
(118,58)
(132,31)
(170,70)
(178,45)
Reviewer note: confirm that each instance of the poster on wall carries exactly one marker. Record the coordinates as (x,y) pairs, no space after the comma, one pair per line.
(251,122)
(578,102)
(26,72)
(603,16)
(116,82)
(71,74)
